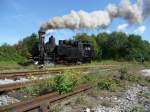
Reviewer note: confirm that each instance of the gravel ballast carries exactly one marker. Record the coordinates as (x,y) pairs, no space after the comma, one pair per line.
(7,100)
(131,100)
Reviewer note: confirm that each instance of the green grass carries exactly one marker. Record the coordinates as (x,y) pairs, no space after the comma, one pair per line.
(12,66)
(113,80)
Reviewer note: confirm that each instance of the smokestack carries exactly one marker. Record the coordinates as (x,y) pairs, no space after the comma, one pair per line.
(41,46)
(41,37)
(133,13)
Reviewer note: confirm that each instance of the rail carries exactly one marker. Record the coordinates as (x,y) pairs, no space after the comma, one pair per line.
(42,103)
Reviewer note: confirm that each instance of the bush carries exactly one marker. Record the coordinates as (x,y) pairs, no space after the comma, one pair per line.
(42,87)
(64,83)
(123,73)
(104,85)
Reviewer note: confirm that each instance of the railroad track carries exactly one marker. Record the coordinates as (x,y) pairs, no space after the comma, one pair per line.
(42,103)
(18,85)
(17,75)
(15,86)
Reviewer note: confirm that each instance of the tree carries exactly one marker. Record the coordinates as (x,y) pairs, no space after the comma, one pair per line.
(25,46)
(140,48)
(118,46)
(101,40)
(9,53)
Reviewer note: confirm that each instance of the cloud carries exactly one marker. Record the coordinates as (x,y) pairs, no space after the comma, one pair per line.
(108,31)
(122,27)
(140,30)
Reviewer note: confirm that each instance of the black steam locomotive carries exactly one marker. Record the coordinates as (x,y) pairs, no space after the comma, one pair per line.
(67,51)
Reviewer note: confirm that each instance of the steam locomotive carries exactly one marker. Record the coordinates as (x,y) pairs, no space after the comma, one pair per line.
(67,51)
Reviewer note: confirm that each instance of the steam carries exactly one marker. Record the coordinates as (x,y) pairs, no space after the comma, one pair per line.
(133,13)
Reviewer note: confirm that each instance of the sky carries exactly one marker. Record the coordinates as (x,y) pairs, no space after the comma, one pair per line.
(21,18)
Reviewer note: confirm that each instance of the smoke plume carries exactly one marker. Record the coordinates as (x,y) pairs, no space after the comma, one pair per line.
(133,13)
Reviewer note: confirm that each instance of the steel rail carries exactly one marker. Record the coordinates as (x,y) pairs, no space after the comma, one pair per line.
(16,75)
(18,85)
(42,103)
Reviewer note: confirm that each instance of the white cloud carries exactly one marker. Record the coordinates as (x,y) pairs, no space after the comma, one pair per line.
(122,27)
(140,30)
(108,31)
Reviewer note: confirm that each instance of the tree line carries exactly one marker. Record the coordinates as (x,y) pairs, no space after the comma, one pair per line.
(116,46)
(19,52)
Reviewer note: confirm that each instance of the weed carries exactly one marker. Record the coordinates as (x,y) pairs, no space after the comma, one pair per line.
(42,87)
(104,85)
(108,84)
(94,92)
(56,108)
(81,100)
(106,103)
(137,109)
(131,77)
(64,83)
(123,73)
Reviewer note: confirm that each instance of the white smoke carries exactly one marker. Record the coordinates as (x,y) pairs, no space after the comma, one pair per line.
(133,13)
(79,20)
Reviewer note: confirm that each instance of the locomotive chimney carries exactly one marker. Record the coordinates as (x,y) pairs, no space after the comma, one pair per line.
(41,46)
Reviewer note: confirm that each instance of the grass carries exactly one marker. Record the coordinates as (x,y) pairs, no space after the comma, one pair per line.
(63,83)
(115,80)
(56,108)
(137,109)
(105,83)
(81,100)
(14,66)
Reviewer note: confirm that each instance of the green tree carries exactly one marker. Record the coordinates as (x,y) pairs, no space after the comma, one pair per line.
(140,48)
(9,53)
(101,40)
(25,46)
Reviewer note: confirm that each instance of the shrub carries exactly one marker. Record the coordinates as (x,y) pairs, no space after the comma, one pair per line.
(104,85)
(123,73)
(42,87)
(109,84)
(131,77)
(64,83)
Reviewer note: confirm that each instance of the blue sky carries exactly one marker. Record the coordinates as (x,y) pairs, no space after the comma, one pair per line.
(20,18)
